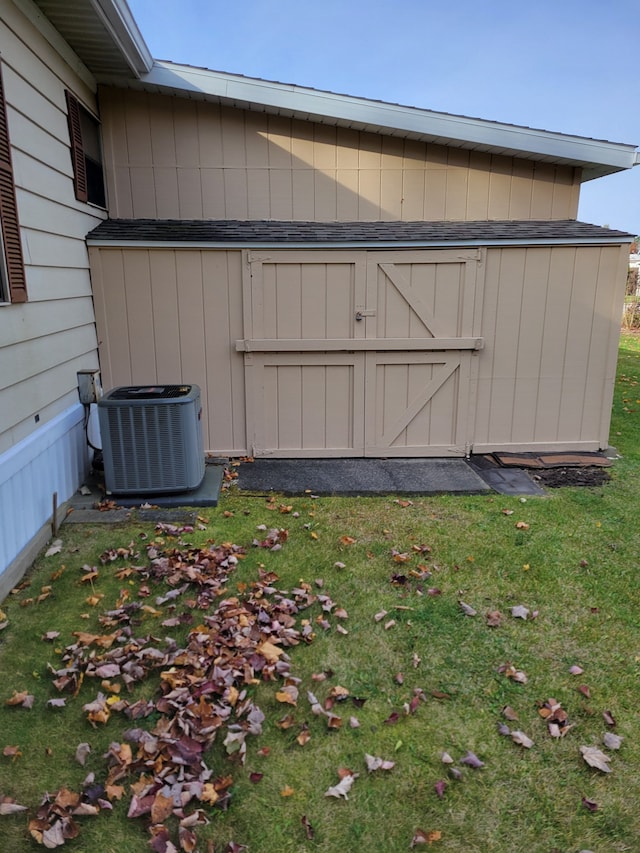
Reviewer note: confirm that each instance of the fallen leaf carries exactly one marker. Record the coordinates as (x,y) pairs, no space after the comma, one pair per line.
(467,609)
(287,791)
(374,763)
(612,741)
(522,739)
(23,698)
(609,718)
(584,689)
(446,758)
(575,670)
(494,618)
(422,837)
(509,714)
(596,758)
(54,548)
(307,827)
(343,787)
(82,750)
(472,760)
(440,787)
(305,736)
(522,525)
(514,674)
(12,752)
(50,636)
(520,612)
(9,806)
(590,804)
(438,694)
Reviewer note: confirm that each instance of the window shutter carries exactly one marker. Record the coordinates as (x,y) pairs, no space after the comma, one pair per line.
(9,212)
(77,150)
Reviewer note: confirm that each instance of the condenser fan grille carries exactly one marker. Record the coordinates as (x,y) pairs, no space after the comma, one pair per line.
(151,444)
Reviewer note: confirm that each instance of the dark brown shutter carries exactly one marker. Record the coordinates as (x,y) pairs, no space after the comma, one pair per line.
(9,212)
(77,151)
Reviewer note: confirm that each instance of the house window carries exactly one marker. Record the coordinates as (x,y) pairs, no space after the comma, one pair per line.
(12,278)
(86,153)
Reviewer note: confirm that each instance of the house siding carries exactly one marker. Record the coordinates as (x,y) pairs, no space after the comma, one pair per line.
(173,158)
(46,340)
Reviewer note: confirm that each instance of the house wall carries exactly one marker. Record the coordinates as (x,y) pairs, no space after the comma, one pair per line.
(175,158)
(45,341)
(544,379)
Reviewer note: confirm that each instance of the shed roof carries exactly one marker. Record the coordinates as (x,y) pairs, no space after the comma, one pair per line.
(267,233)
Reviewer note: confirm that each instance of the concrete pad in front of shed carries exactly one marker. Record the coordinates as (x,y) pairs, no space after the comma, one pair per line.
(360,476)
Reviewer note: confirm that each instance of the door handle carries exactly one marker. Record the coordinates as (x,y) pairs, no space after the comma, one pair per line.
(358,316)
(365,312)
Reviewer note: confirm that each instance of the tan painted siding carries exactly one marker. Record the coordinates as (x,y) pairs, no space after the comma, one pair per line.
(549,318)
(167,316)
(44,342)
(551,326)
(177,158)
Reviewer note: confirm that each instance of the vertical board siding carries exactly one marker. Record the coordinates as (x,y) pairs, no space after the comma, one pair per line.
(547,316)
(549,324)
(173,316)
(190,160)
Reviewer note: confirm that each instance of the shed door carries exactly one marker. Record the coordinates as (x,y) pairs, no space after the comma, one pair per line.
(360,353)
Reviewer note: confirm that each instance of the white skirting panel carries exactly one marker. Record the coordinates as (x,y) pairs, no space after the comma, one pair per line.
(52,459)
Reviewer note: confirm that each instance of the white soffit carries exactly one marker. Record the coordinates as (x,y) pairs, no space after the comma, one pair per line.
(596,157)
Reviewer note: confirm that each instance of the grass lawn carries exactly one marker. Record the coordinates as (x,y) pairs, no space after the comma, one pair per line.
(359,603)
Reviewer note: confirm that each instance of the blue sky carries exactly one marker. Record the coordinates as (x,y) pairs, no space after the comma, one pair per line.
(559,65)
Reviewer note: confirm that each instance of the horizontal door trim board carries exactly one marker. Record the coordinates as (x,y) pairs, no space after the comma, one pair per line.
(357,345)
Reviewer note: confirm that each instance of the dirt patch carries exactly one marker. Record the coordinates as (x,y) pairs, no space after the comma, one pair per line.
(554,478)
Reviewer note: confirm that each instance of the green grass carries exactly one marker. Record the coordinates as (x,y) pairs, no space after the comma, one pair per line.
(577,564)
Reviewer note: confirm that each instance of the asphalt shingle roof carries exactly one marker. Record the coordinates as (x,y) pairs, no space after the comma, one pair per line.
(248,233)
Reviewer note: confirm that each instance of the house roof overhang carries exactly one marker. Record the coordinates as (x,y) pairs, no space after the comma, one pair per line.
(107,40)
(102,33)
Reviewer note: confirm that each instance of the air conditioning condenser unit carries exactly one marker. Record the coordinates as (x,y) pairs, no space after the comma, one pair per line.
(152,439)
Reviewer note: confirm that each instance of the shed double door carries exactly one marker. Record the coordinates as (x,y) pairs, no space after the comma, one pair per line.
(360,353)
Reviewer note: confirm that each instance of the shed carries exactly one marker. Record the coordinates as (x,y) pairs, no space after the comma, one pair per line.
(349,278)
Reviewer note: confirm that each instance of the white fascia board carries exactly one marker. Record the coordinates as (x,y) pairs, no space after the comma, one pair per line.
(120,23)
(355,244)
(394,119)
